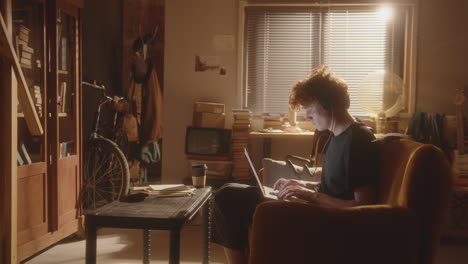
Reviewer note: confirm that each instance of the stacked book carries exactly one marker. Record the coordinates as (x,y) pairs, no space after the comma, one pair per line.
(62,97)
(273,122)
(25,52)
(64,149)
(240,140)
(37,99)
(23,155)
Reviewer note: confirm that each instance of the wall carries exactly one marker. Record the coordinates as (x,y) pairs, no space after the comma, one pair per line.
(442,66)
(190,27)
(102,53)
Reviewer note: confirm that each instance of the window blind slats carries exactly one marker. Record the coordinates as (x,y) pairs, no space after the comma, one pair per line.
(355,40)
(285,44)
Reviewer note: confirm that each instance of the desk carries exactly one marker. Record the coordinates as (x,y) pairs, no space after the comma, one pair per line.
(267,137)
(170,213)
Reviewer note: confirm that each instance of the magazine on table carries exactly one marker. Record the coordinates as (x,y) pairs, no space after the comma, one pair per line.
(166,190)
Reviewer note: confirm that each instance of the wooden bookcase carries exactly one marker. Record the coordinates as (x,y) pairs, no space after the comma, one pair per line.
(46,36)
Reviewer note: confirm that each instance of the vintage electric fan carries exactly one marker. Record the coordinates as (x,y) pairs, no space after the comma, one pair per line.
(388,88)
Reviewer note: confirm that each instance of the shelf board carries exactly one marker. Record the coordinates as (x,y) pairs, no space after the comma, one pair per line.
(59,114)
(22,115)
(62,72)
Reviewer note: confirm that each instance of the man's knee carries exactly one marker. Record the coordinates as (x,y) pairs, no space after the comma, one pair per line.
(235,194)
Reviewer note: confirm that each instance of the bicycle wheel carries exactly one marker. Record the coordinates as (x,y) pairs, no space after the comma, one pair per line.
(106,175)
(122,141)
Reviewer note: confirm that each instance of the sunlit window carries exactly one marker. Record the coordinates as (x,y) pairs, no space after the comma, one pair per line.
(284,44)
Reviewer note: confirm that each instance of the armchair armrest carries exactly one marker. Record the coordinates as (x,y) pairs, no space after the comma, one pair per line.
(298,158)
(289,232)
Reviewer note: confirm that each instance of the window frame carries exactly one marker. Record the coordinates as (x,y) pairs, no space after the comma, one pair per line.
(410,51)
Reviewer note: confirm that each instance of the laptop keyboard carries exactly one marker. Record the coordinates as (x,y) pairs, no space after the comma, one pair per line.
(274,192)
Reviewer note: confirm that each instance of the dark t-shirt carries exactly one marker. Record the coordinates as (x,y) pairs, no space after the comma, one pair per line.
(351,162)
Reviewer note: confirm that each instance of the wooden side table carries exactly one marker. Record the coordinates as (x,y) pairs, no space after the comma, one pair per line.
(170,213)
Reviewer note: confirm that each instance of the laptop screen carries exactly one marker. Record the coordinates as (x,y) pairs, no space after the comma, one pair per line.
(259,183)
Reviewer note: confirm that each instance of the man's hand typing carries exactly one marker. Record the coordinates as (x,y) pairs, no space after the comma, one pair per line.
(296,191)
(282,183)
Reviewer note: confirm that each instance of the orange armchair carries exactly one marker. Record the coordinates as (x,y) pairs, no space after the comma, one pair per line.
(404,227)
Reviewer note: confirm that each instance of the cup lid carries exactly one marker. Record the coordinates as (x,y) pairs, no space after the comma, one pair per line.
(199,166)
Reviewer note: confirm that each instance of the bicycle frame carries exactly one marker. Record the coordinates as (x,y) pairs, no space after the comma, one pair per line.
(97,116)
(107,99)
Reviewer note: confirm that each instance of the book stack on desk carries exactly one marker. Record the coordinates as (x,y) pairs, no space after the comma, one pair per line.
(240,140)
(273,122)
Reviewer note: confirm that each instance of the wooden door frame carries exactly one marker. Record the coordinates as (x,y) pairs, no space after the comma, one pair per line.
(8,139)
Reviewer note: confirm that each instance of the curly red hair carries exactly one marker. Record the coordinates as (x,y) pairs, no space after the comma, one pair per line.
(321,86)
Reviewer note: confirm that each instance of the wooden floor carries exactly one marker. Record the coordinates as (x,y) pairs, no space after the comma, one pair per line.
(125,246)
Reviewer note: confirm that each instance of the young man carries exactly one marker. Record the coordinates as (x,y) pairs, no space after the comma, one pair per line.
(349,174)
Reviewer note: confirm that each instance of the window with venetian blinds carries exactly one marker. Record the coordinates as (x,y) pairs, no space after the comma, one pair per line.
(284,44)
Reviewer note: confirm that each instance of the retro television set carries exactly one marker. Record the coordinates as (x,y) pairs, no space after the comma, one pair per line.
(207,143)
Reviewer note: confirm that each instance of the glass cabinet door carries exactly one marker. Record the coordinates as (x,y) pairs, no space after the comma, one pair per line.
(66,86)
(29,42)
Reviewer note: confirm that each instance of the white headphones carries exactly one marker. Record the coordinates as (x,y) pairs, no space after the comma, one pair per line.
(333,122)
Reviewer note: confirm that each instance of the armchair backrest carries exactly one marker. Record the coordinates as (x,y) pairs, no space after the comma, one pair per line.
(417,176)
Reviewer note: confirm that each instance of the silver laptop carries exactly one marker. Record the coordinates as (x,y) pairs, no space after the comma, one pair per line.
(267,192)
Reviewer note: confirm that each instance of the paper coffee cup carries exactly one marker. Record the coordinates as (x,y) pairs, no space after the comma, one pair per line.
(199,181)
(199,175)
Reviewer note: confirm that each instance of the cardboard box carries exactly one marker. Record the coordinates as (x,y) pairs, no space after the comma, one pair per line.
(209,107)
(211,120)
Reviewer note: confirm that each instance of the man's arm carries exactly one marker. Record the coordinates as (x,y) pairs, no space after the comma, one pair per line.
(362,196)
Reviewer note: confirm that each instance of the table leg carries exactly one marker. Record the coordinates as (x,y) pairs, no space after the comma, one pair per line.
(206,231)
(146,246)
(91,237)
(174,251)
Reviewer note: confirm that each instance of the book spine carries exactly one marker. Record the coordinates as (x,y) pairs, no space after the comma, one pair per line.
(19,159)
(25,48)
(25,61)
(25,153)
(24,37)
(26,55)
